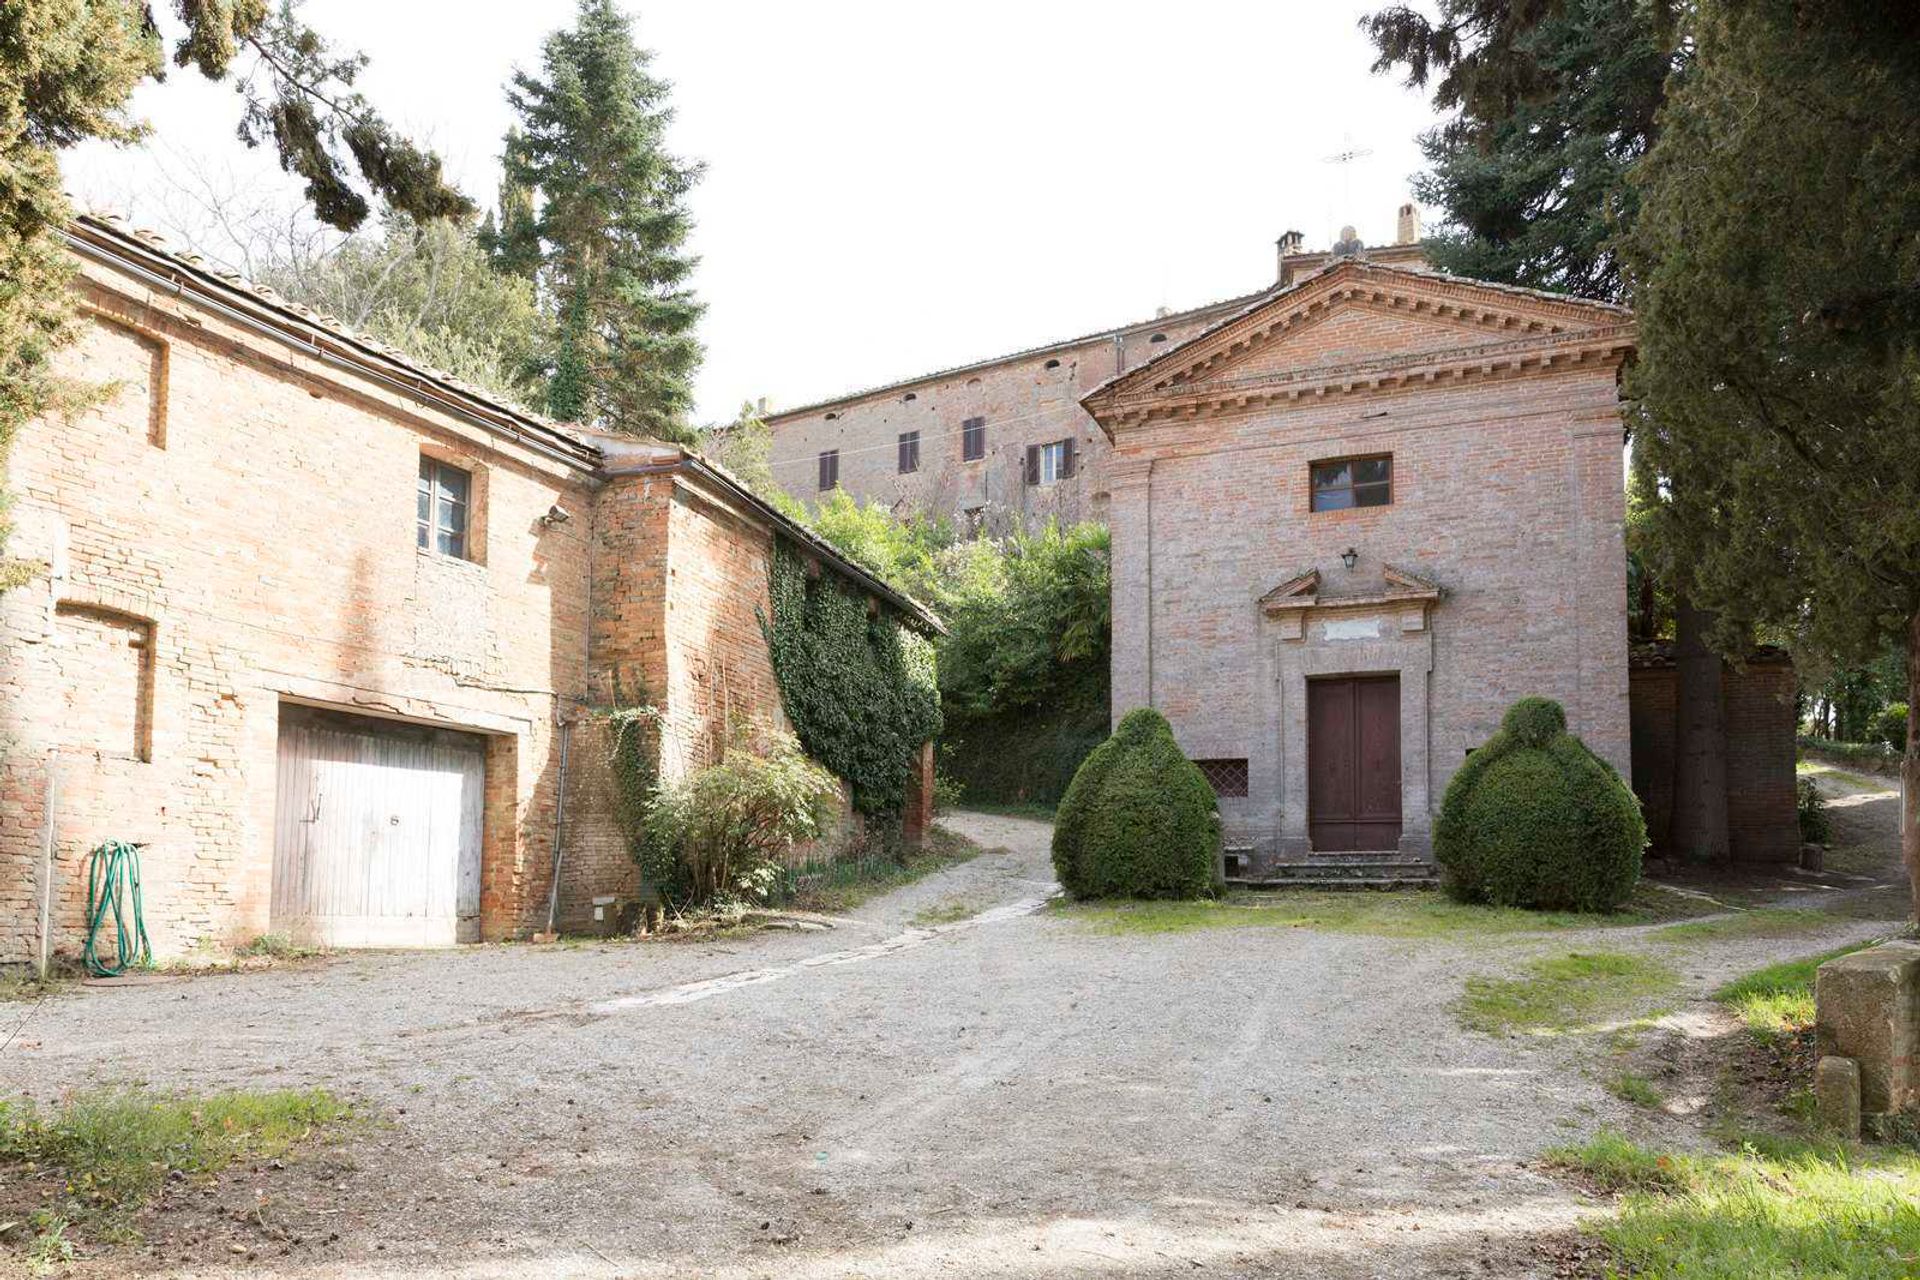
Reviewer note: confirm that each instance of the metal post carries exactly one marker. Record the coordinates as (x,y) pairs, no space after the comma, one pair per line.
(46,862)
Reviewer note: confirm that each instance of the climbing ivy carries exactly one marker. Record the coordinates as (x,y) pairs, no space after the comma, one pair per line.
(859,688)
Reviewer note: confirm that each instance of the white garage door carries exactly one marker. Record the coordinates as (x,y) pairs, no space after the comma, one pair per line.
(377,834)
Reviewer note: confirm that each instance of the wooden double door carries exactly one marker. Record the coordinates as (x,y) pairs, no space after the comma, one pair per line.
(1353,763)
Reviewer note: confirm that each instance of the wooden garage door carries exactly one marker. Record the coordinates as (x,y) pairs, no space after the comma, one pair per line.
(1353,763)
(377,832)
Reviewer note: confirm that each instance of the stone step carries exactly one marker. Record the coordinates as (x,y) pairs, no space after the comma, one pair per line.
(1341,882)
(1415,867)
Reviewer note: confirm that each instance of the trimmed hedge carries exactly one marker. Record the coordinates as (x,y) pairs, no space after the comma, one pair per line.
(1138,820)
(1536,819)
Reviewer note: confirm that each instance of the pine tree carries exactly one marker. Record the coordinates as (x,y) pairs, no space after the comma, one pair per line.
(1774,267)
(1552,102)
(595,207)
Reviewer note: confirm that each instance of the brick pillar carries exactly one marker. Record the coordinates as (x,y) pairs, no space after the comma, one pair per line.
(1129,513)
(916,821)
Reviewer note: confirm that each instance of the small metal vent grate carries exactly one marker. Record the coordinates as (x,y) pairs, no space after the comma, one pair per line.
(1227,777)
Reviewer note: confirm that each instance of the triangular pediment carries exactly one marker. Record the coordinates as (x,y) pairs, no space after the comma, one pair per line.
(1355,315)
(1397,586)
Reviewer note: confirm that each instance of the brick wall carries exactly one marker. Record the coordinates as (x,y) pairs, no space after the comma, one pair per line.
(231,528)
(1026,400)
(1762,813)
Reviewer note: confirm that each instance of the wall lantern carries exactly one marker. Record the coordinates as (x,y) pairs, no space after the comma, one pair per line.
(1349,558)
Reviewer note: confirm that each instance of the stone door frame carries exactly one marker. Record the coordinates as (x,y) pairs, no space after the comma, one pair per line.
(1377,636)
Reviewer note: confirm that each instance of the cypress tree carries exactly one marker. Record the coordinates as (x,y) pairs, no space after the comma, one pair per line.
(595,207)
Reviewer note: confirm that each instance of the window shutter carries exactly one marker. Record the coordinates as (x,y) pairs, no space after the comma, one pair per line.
(1033,464)
(829,469)
(1070,459)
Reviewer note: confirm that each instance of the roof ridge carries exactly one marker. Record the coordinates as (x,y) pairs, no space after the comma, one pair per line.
(1022,353)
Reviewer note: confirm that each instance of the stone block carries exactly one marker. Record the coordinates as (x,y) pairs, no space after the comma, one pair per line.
(1869,1010)
(1836,1092)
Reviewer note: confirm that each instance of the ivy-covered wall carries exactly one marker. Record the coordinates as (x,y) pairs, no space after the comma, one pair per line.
(858,687)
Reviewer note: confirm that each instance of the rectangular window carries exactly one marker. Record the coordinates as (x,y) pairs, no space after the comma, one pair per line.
(444,496)
(973,439)
(909,452)
(1227,777)
(1050,462)
(829,470)
(1352,482)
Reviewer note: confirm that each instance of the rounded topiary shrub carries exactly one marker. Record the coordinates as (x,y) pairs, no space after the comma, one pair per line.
(1536,819)
(1138,818)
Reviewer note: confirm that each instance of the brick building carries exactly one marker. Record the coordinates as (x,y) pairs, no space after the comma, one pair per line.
(1351,524)
(323,629)
(1002,442)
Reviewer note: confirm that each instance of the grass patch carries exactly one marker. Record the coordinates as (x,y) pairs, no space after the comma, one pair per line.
(846,883)
(111,1151)
(1387,915)
(1777,1001)
(1782,1209)
(1760,922)
(948,911)
(1614,1164)
(1637,1089)
(277,946)
(1563,993)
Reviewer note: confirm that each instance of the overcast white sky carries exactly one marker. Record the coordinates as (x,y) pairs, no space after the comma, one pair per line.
(893,188)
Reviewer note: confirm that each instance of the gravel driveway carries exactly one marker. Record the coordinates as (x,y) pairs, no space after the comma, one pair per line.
(1010,1094)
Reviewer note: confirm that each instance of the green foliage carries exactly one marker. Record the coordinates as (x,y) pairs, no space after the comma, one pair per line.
(114,1150)
(1816,826)
(594,209)
(1024,663)
(430,290)
(1535,819)
(633,765)
(1774,266)
(858,687)
(745,448)
(911,553)
(1028,756)
(1550,107)
(1877,756)
(720,835)
(1138,820)
(1889,725)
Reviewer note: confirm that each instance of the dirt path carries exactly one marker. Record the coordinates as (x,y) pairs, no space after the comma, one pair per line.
(1007,1093)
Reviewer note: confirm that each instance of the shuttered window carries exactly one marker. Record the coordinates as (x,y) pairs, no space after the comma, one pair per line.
(1051,462)
(829,470)
(973,439)
(909,452)
(441,516)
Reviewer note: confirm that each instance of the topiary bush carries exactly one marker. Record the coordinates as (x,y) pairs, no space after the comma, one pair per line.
(1536,819)
(1138,818)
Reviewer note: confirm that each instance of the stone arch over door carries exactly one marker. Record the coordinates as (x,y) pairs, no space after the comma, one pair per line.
(1310,637)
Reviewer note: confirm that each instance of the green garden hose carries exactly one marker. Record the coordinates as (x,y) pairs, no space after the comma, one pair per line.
(113,884)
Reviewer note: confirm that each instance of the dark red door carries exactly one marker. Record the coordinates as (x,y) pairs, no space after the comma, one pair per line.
(1353,763)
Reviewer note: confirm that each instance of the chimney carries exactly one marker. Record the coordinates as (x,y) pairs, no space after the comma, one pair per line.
(1289,244)
(760,407)
(1409,229)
